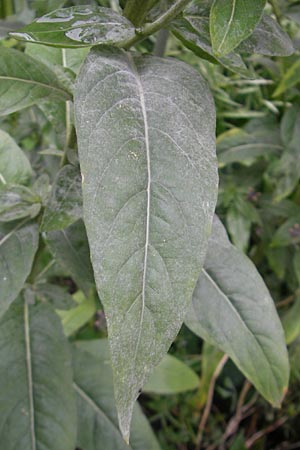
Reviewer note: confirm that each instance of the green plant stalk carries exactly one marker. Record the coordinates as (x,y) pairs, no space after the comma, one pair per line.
(155,26)
(136,10)
(7,8)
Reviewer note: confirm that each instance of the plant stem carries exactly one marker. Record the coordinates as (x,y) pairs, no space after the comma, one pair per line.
(276,10)
(136,10)
(208,405)
(161,42)
(159,23)
(68,120)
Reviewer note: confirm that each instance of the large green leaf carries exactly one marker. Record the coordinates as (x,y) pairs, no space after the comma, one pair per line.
(78,26)
(37,405)
(268,38)
(65,204)
(14,165)
(70,247)
(232,21)
(97,415)
(18,245)
(145,129)
(193,32)
(24,81)
(233,310)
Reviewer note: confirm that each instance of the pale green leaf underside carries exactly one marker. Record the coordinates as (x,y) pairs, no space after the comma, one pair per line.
(24,81)
(145,129)
(232,21)
(14,165)
(233,310)
(18,244)
(37,405)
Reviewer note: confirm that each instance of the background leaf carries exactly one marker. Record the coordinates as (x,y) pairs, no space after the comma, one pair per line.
(37,406)
(18,245)
(65,203)
(24,81)
(149,192)
(232,309)
(14,165)
(97,415)
(70,247)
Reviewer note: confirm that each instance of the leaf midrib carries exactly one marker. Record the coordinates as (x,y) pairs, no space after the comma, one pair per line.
(228,26)
(147,232)
(29,375)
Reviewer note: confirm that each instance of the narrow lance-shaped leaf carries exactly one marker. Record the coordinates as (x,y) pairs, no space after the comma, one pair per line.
(145,128)
(232,21)
(233,310)
(78,26)
(18,245)
(24,81)
(37,406)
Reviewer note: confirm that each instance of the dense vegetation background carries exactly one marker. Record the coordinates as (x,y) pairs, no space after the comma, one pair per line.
(258,145)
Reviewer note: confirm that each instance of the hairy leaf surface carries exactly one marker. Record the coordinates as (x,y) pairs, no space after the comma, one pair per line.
(24,81)
(232,21)
(145,127)
(18,245)
(233,310)
(37,406)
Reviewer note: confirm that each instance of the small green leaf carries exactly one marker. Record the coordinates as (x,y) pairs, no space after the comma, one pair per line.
(75,318)
(37,406)
(289,79)
(232,309)
(24,81)
(18,245)
(232,21)
(171,376)
(65,204)
(193,32)
(291,321)
(17,202)
(268,39)
(236,145)
(70,247)
(97,415)
(14,165)
(78,26)
(145,130)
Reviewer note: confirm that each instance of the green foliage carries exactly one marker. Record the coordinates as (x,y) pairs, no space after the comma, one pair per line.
(108,189)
